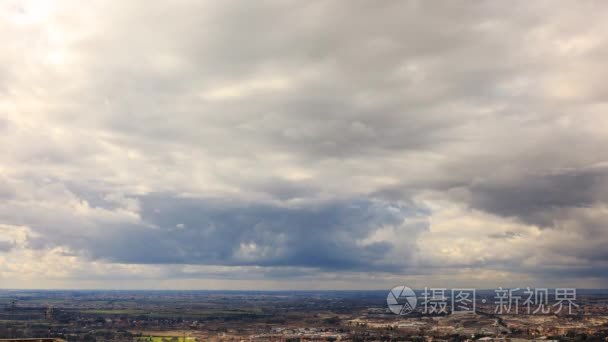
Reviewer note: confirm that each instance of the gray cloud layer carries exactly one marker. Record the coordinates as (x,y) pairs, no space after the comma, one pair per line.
(306,138)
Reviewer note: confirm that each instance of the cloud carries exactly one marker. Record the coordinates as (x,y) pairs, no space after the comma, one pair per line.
(304,140)
(539,199)
(334,235)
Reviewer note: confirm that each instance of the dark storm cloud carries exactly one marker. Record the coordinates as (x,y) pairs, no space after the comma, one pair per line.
(218,232)
(535,198)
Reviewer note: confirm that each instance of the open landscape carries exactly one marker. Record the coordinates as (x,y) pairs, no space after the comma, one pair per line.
(188,316)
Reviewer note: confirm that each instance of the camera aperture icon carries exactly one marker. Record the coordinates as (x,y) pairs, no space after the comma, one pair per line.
(401,300)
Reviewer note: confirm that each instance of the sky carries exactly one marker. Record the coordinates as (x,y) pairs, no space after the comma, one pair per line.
(303,144)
